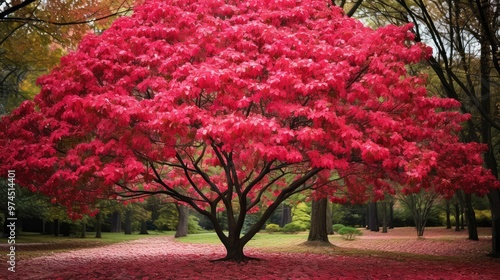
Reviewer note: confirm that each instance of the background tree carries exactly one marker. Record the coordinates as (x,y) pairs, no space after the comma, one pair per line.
(421,205)
(465,38)
(34,34)
(218,105)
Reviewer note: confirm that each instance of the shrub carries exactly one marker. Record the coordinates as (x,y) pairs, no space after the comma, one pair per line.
(301,215)
(293,227)
(193,226)
(483,218)
(337,227)
(270,228)
(348,233)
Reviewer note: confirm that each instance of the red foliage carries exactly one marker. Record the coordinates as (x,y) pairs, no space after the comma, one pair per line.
(211,101)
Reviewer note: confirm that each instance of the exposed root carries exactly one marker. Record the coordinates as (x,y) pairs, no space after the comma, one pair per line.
(318,244)
(243,259)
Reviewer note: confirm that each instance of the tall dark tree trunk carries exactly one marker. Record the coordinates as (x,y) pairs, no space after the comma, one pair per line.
(384,216)
(116,222)
(373,217)
(84,229)
(462,219)
(366,215)
(494,198)
(286,215)
(65,229)
(448,220)
(318,230)
(182,222)
(391,214)
(471,218)
(56,227)
(128,221)
(98,225)
(144,228)
(457,217)
(329,216)
(485,11)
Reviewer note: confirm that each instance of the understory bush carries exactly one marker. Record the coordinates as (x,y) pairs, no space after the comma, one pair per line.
(337,227)
(193,225)
(348,233)
(271,228)
(293,227)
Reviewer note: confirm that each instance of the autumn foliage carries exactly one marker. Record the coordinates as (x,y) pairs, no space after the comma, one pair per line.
(235,106)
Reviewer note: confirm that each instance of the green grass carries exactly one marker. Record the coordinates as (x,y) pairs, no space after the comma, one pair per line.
(259,241)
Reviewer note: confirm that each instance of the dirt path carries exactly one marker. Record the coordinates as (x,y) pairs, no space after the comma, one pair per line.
(164,258)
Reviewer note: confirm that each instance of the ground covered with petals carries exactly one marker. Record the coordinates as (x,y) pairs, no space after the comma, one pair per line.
(166,258)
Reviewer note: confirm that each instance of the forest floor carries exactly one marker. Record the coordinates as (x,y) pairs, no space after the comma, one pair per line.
(399,254)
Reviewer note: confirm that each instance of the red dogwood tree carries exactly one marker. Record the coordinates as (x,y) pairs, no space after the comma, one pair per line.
(236,106)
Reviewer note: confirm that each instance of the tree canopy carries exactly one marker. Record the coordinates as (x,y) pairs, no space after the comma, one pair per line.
(236,106)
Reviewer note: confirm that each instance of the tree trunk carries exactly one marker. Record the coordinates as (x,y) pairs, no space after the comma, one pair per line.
(234,250)
(457,217)
(144,228)
(286,215)
(65,229)
(318,230)
(182,222)
(373,217)
(329,216)
(494,198)
(384,217)
(391,214)
(56,227)
(128,221)
(487,137)
(116,222)
(462,221)
(98,233)
(84,229)
(448,220)
(471,218)
(420,226)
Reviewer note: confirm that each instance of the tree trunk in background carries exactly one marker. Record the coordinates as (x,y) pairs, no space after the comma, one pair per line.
(116,222)
(65,229)
(128,221)
(182,222)
(56,227)
(318,230)
(448,220)
(471,218)
(84,229)
(329,217)
(384,216)
(144,228)
(391,214)
(494,198)
(462,220)
(286,215)
(373,217)
(98,225)
(457,217)
(486,134)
